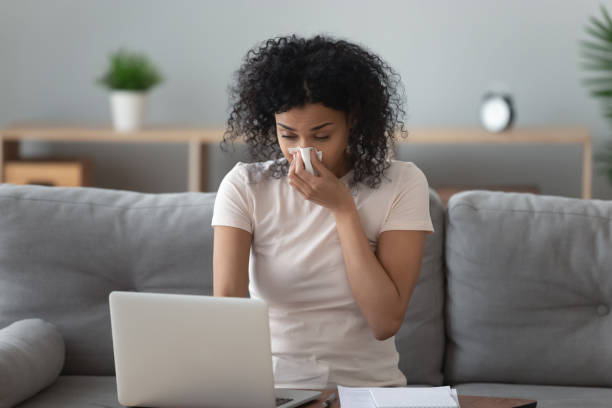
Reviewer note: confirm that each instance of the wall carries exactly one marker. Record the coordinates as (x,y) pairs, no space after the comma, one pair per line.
(447,52)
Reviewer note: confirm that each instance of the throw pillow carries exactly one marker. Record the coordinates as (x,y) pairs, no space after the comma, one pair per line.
(31,358)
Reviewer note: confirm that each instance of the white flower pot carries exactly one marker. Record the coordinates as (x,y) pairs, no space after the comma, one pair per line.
(127,110)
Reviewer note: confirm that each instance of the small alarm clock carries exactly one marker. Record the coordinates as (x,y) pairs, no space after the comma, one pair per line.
(496,112)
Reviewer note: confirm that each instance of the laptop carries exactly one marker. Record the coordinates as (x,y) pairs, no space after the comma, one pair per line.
(187,351)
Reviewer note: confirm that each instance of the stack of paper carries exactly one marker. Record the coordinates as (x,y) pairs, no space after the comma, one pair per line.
(398,397)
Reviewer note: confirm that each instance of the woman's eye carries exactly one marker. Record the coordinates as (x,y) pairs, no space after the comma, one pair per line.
(316,137)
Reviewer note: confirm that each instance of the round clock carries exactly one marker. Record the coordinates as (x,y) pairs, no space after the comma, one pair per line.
(496,112)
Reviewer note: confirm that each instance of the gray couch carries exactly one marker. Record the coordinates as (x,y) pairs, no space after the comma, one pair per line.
(513,298)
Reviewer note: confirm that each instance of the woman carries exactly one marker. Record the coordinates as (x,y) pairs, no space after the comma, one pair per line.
(336,255)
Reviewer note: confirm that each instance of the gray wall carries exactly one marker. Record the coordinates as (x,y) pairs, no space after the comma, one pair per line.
(448,53)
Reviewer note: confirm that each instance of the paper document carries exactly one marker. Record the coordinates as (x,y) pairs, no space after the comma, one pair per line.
(351,397)
(398,397)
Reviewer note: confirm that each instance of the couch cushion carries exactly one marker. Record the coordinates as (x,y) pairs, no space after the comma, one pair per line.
(529,289)
(546,395)
(420,340)
(63,250)
(75,391)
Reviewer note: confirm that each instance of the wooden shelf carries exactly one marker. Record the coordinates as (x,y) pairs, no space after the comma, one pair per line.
(173,134)
(528,135)
(199,138)
(105,133)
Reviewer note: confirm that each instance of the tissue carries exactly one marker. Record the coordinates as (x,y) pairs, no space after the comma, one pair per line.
(305,151)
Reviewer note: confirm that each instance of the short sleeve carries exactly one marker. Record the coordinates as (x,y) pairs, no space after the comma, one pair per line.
(409,208)
(233,206)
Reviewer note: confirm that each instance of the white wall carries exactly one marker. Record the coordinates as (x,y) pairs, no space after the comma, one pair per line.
(448,53)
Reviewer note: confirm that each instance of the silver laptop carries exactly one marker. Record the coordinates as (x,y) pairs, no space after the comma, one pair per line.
(187,351)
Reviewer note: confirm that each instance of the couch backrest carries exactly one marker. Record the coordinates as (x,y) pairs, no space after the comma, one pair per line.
(529,289)
(421,339)
(63,250)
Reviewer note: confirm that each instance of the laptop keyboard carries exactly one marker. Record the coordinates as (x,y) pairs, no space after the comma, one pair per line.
(281,401)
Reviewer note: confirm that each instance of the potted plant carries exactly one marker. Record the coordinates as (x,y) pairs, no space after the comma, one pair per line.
(129,77)
(598,56)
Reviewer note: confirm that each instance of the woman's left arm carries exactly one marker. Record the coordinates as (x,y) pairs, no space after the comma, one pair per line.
(382,282)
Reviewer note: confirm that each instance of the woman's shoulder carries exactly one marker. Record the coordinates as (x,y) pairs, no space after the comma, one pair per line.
(253,172)
(405,171)
(237,173)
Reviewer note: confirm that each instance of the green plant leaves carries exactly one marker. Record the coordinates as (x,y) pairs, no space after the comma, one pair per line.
(130,71)
(598,57)
(596,47)
(605,158)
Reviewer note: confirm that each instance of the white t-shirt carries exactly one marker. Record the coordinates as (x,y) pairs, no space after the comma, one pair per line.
(319,336)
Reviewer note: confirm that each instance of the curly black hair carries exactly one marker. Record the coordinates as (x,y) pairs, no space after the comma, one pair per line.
(286,72)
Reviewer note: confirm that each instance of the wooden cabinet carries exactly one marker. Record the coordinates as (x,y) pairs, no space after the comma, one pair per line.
(50,172)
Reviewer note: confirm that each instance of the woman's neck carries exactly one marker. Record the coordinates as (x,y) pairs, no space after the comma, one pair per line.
(342,168)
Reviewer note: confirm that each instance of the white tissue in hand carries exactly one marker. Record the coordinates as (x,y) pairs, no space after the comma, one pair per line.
(305,151)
